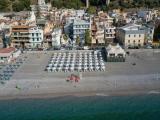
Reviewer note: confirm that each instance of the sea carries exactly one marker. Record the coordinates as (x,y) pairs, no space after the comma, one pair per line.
(142,107)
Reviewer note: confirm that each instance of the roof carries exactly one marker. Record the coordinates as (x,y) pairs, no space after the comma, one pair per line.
(7,50)
(80,22)
(21,26)
(133,29)
(115,49)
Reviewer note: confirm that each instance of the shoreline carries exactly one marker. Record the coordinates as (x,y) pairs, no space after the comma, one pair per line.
(120,93)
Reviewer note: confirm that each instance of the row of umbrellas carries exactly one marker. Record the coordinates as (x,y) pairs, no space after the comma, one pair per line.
(7,72)
(90,62)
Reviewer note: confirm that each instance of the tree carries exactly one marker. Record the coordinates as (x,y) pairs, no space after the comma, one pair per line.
(65,37)
(91,10)
(4,5)
(20,5)
(157,33)
(88,39)
(77,40)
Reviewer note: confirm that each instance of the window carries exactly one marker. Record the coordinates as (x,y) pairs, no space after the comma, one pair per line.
(134,35)
(33,39)
(37,34)
(32,34)
(139,35)
(139,41)
(129,35)
(128,41)
(134,41)
(37,39)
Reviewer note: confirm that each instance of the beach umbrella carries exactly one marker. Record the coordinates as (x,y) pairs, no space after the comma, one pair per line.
(102,64)
(79,68)
(97,67)
(53,69)
(59,68)
(85,68)
(85,63)
(48,68)
(50,64)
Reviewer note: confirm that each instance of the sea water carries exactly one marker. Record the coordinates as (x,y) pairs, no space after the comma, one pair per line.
(145,107)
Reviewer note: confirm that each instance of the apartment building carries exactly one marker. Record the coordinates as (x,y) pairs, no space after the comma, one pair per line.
(26,36)
(79,28)
(35,37)
(104,22)
(56,37)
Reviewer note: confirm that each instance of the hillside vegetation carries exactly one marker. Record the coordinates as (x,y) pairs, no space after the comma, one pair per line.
(18,5)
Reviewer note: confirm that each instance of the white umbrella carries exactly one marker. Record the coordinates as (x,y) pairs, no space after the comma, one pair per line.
(96,63)
(48,68)
(53,69)
(66,68)
(79,67)
(97,67)
(102,63)
(50,64)
(85,68)
(72,68)
(91,68)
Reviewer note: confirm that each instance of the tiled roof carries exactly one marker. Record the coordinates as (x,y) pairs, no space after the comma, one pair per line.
(7,50)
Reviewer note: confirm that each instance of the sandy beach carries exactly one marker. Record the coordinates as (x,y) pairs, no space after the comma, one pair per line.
(118,79)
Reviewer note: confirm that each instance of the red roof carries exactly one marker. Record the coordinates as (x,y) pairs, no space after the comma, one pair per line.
(7,50)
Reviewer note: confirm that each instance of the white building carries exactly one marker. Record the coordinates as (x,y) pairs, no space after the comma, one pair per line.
(147,15)
(26,36)
(56,37)
(35,37)
(110,33)
(8,54)
(42,7)
(32,19)
(115,53)
(79,28)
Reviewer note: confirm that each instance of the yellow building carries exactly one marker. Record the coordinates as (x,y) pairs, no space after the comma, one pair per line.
(131,35)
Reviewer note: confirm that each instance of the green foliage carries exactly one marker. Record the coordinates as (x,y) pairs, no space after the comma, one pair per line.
(15,5)
(134,4)
(4,5)
(65,37)
(88,39)
(77,40)
(91,10)
(157,33)
(18,5)
(67,3)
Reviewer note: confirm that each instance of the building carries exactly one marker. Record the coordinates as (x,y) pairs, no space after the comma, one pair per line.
(31,19)
(109,34)
(115,53)
(41,7)
(8,54)
(149,33)
(104,22)
(56,37)
(35,37)
(147,15)
(131,35)
(26,36)
(79,28)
